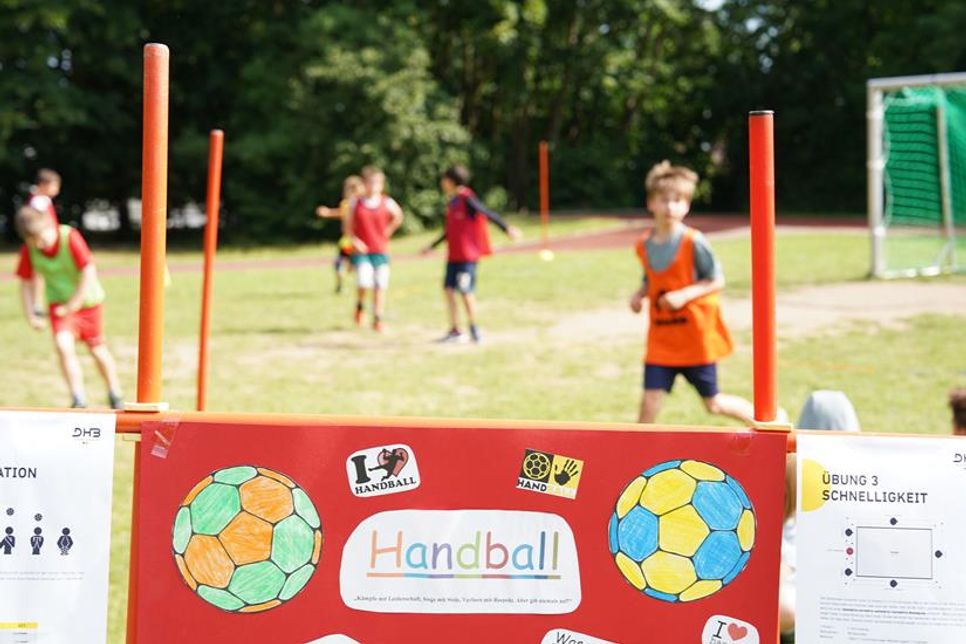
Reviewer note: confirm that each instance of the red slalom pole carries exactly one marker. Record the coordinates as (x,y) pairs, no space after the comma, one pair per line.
(761,155)
(544,194)
(216,143)
(154,204)
(154,224)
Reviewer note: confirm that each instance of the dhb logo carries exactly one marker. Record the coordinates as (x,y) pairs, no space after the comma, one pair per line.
(382,470)
(86,433)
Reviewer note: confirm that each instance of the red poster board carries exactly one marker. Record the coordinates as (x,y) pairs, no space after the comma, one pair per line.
(453,536)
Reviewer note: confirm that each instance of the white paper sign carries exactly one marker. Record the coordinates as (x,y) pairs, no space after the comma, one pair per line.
(880,524)
(56,471)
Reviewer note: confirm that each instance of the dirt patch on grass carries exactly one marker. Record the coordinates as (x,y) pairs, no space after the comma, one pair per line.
(800,312)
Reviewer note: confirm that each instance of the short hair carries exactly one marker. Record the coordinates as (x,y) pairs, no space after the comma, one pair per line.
(664,177)
(957,402)
(46,175)
(370,171)
(458,174)
(30,221)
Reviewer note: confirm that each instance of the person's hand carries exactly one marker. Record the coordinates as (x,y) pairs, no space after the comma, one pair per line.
(37,322)
(60,310)
(673,300)
(359,246)
(637,302)
(514,233)
(322,211)
(427,251)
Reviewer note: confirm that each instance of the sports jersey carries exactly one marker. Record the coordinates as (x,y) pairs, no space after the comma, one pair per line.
(692,335)
(467,237)
(370,223)
(60,266)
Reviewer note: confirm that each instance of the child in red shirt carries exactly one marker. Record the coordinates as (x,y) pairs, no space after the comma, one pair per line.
(682,278)
(467,241)
(371,221)
(58,258)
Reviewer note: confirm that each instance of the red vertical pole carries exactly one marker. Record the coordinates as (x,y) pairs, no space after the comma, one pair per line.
(216,143)
(154,202)
(544,194)
(761,148)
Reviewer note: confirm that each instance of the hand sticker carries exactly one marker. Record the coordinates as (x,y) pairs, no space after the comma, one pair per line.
(565,473)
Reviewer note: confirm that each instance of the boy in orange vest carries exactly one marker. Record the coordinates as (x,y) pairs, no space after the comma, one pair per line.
(57,257)
(682,277)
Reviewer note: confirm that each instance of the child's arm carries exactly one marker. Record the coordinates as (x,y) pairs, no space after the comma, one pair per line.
(87,276)
(328,213)
(675,300)
(436,242)
(476,207)
(637,299)
(397,217)
(28,291)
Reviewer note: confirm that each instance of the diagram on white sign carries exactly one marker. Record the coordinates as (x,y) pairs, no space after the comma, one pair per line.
(874,519)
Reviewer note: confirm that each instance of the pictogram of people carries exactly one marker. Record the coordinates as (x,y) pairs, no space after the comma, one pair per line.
(36,541)
(66,542)
(8,542)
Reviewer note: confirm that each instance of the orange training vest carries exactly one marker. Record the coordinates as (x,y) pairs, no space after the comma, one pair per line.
(693,335)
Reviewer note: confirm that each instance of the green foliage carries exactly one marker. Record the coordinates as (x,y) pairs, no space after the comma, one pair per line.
(310,91)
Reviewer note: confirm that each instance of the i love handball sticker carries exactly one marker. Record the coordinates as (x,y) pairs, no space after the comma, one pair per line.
(721,629)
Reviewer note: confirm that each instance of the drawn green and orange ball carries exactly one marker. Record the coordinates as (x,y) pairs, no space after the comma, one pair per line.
(247,539)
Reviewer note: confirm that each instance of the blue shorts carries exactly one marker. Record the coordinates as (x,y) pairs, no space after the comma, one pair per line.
(460,276)
(703,377)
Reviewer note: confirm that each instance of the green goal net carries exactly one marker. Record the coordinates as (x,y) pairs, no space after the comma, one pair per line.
(918,176)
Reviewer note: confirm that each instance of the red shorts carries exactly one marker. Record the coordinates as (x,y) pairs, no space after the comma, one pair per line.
(85,324)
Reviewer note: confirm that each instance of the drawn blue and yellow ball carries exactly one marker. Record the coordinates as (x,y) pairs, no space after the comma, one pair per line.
(682,531)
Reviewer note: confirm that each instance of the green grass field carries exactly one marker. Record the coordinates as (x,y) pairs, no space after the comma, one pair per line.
(283,342)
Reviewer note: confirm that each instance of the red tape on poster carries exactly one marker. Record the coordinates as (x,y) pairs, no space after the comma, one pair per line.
(449,534)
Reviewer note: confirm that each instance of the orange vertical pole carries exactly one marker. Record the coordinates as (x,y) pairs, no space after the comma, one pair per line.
(154,202)
(216,142)
(761,148)
(544,194)
(154,198)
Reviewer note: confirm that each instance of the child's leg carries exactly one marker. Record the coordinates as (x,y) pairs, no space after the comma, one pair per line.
(70,365)
(107,367)
(381,283)
(658,381)
(704,378)
(451,309)
(469,303)
(651,402)
(731,406)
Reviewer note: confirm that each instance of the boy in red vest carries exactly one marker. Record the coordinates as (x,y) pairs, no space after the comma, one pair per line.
(370,222)
(59,256)
(682,279)
(467,240)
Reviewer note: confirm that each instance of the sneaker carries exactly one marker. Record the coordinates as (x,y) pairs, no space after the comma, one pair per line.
(377,326)
(359,316)
(116,401)
(78,402)
(475,334)
(453,337)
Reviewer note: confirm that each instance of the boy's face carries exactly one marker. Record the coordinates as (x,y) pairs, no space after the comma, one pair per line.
(375,183)
(447,186)
(43,236)
(669,205)
(50,188)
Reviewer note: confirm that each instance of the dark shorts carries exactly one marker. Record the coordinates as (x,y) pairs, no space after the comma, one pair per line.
(702,377)
(460,276)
